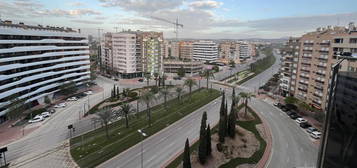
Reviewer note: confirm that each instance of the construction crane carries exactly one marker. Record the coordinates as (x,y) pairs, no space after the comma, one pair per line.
(176,24)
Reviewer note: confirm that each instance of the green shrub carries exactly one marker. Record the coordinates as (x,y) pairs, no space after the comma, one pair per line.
(132,94)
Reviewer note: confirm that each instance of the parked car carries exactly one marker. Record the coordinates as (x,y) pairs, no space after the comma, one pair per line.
(72,99)
(300,120)
(89,92)
(311,129)
(284,109)
(141,80)
(177,78)
(294,116)
(289,113)
(52,111)
(37,118)
(45,114)
(61,105)
(277,104)
(305,125)
(316,135)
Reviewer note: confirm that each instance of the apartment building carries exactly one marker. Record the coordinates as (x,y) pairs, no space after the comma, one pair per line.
(186,50)
(316,57)
(174,49)
(36,60)
(289,66)
(173,66)
(244,51)
(252,50)
(229,51)
(205,51)
(150,50)
(119,54)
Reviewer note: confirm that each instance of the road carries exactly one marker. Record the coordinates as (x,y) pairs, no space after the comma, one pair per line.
(291,145)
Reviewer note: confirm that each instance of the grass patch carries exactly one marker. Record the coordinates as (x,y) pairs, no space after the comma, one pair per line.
(93,148)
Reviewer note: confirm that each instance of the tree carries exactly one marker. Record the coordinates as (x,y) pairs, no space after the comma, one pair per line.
(181,72)
(179,91)
(222,125)
(208,74)
(156,75)
(201,74)
(163,79)
(232,63)
(231,128)
(202,148)
(190,83)
(208,141)
(105,116)
(186,155)
(147,77)
(221,130)
(215,68)
(246,97)
(164,92)
(147,98)
(126,109)
(16,108)
(47,100)
(118,92)
(68,88)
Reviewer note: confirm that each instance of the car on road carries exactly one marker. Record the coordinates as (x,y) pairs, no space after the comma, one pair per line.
(177,78)
(61,105)
(52,111)
(300,120)
(141,80)
(45,114)
(89,92)
(311,129)
(283,108)
(316,135)
(37,118)
(72,99)
(277,104)
(289,113)
(294,116)
(305,125)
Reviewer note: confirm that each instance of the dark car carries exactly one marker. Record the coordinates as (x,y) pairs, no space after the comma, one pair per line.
(177,78)
(294,116)
(284,109)
(289,113)
(141,80)
(305,125)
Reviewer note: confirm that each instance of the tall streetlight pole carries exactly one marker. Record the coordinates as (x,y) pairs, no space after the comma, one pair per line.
(143,134)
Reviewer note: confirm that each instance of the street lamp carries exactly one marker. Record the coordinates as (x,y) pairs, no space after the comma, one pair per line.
(142,147)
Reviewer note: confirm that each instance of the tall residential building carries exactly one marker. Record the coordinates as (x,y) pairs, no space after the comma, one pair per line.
(174,49)
(205,51)
(186,50)
(119,54)
(317,50)
(244,51)
(36,60)
(252,50)
(338,146)
(229,51)
(289,66)
(150,50)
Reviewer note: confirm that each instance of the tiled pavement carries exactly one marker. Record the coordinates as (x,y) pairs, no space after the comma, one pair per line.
(58,157)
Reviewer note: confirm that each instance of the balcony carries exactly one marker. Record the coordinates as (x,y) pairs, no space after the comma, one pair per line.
(306,63)
(317,102)
(319,87)
(321,81)
(304,76)
(302,89)
(321,65)
(325,43)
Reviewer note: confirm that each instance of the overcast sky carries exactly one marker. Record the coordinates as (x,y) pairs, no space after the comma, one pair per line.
(201,18)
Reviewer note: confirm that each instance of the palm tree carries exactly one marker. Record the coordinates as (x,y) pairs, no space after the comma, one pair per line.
(208,74)
(147,77)
(156,75)
(201,74)
(147,98)
(179,91)
(164,77)
(246,97)
(190,83)
(105,116)
(126,109)
(164,92)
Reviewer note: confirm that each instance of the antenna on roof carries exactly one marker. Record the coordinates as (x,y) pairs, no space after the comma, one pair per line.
(338,21)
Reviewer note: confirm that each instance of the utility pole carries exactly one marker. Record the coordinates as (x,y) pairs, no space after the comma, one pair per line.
(116,29)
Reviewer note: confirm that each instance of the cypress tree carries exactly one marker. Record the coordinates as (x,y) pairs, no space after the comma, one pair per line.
(118,92)
(202,148)
(186,155)
(232,124)
(221,112)
(208,143)
(221,130)
(114,92)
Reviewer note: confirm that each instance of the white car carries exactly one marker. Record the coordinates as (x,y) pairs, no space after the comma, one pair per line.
(300,120)
(45,114)
(37,118)
(72,99)
(61,105)
(316,135)
(88,92)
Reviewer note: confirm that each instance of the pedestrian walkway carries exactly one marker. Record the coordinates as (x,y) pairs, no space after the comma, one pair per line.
(58,157)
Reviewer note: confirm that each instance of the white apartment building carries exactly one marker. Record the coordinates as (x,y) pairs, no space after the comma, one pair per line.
(244,51)
(205,51)
(119,54)
(36,60)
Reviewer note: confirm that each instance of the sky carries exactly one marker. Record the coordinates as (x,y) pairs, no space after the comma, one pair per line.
(209,19)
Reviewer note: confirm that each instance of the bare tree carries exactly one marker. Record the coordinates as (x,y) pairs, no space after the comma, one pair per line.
(106,115)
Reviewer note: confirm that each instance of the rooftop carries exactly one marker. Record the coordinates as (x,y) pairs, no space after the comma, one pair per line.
(9,23)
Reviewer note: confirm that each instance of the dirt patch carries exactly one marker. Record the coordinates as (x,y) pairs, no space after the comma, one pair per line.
(244,145)
(261,131)
(243,117)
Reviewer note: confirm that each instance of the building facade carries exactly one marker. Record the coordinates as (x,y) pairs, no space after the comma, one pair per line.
(205,51)
(173,66)
(36,60)
(186,50)
(229,51)
(289,66)
(244,51)
(119,54)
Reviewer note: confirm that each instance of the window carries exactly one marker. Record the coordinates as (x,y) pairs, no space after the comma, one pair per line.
(353,40)
(338,40)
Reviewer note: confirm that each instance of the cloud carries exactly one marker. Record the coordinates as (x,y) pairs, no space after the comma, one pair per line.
(77,4)
(142,6)
(205,4)
(86,21)
(69,13)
